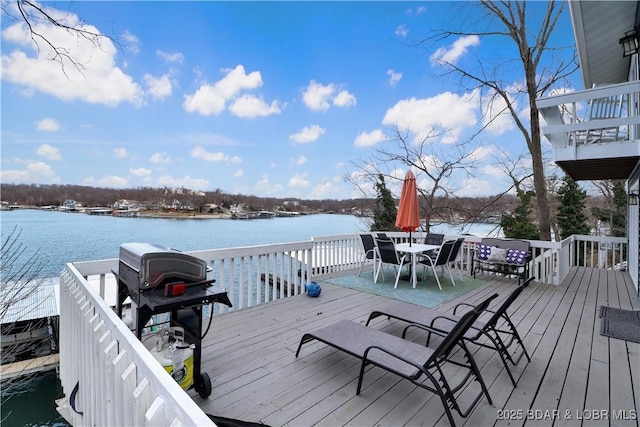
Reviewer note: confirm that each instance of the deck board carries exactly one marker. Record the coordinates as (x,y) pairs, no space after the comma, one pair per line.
(250,357)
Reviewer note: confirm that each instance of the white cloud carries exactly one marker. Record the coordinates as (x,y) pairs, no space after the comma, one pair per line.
(493,170)
(50,125)
(326,190)
(235,159)
(131,42)
(368,139)
(160,158)
(307,134)
(170,57)
(140,172)
(482,152)
(35,172)
(394,77)
(239,173)
(401,31)
(250,106)
(120,153)
(317,96)
(344,99)
(496,117)
(186,182)
(158,87)
(300,160)
(446,112)
(199,152)
(477,187)
(455,51)
(48,152)
(264,186)
(211,99)
(299,180)
(94,77)
(109,181)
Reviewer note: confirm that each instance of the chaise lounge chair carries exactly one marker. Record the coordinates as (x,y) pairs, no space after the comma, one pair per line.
(500,336)
(408,359)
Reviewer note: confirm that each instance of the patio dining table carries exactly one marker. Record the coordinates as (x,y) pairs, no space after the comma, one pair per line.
(414,249)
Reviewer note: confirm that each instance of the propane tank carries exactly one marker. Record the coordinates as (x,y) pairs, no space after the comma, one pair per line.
(175,356)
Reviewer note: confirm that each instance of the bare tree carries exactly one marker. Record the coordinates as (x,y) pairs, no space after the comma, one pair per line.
(33,14)
(20,283)
(509,20)
(444,167)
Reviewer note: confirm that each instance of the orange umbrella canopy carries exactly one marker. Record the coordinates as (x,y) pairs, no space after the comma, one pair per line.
(408,218)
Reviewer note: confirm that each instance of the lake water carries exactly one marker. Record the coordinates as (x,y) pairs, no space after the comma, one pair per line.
(61,237)
(68,237)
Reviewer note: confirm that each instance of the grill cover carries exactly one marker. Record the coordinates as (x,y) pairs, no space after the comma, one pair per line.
(145,266)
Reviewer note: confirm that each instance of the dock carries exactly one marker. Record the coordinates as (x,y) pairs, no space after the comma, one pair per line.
(27,367)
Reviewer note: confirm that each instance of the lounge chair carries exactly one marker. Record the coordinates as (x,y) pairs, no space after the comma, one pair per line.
(408,359)
(500,336)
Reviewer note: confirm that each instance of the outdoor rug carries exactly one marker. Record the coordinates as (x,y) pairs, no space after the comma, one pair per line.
(425,294)
(620,324)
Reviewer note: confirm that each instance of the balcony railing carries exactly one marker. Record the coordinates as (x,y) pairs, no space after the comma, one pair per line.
(598,115)
(110,378)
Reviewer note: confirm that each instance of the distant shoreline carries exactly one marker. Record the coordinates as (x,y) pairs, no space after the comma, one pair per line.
(169,215)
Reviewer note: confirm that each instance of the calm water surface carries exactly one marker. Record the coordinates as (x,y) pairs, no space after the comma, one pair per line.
(68,237)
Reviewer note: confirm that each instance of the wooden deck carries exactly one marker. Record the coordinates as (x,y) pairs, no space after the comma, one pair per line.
(575,377)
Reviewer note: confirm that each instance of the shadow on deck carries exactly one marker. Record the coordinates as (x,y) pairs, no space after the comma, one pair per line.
(575,377)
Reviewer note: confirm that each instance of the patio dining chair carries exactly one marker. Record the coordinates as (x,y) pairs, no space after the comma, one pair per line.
(389,256)
(425,367)
(453,258)
(439,258)
(433,239)
(370,252)
(498,329)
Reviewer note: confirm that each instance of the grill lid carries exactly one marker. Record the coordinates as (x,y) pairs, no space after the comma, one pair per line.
(146,265)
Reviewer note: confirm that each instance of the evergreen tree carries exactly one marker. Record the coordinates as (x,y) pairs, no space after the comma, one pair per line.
(615,214)
(384,214)
(571,217)
(519,225)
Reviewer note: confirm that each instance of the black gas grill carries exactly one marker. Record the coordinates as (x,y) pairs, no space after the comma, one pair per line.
(146,267)
(145,274)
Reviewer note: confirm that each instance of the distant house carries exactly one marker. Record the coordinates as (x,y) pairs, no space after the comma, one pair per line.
(124,204)
(174,206)
(71,205)
(212,208)
(237,208)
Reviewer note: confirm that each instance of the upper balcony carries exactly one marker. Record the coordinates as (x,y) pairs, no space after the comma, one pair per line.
(595,132)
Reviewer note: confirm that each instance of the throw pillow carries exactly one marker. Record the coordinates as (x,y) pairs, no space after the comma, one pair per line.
(516,257)
(484,251)
(497,255)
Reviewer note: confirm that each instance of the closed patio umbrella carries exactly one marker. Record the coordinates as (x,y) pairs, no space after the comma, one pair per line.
(408,218)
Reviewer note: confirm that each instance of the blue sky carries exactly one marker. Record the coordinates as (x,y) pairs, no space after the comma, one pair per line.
(274,99)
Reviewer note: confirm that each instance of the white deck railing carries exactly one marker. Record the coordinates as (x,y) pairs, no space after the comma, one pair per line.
(608,112)
(120,383)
